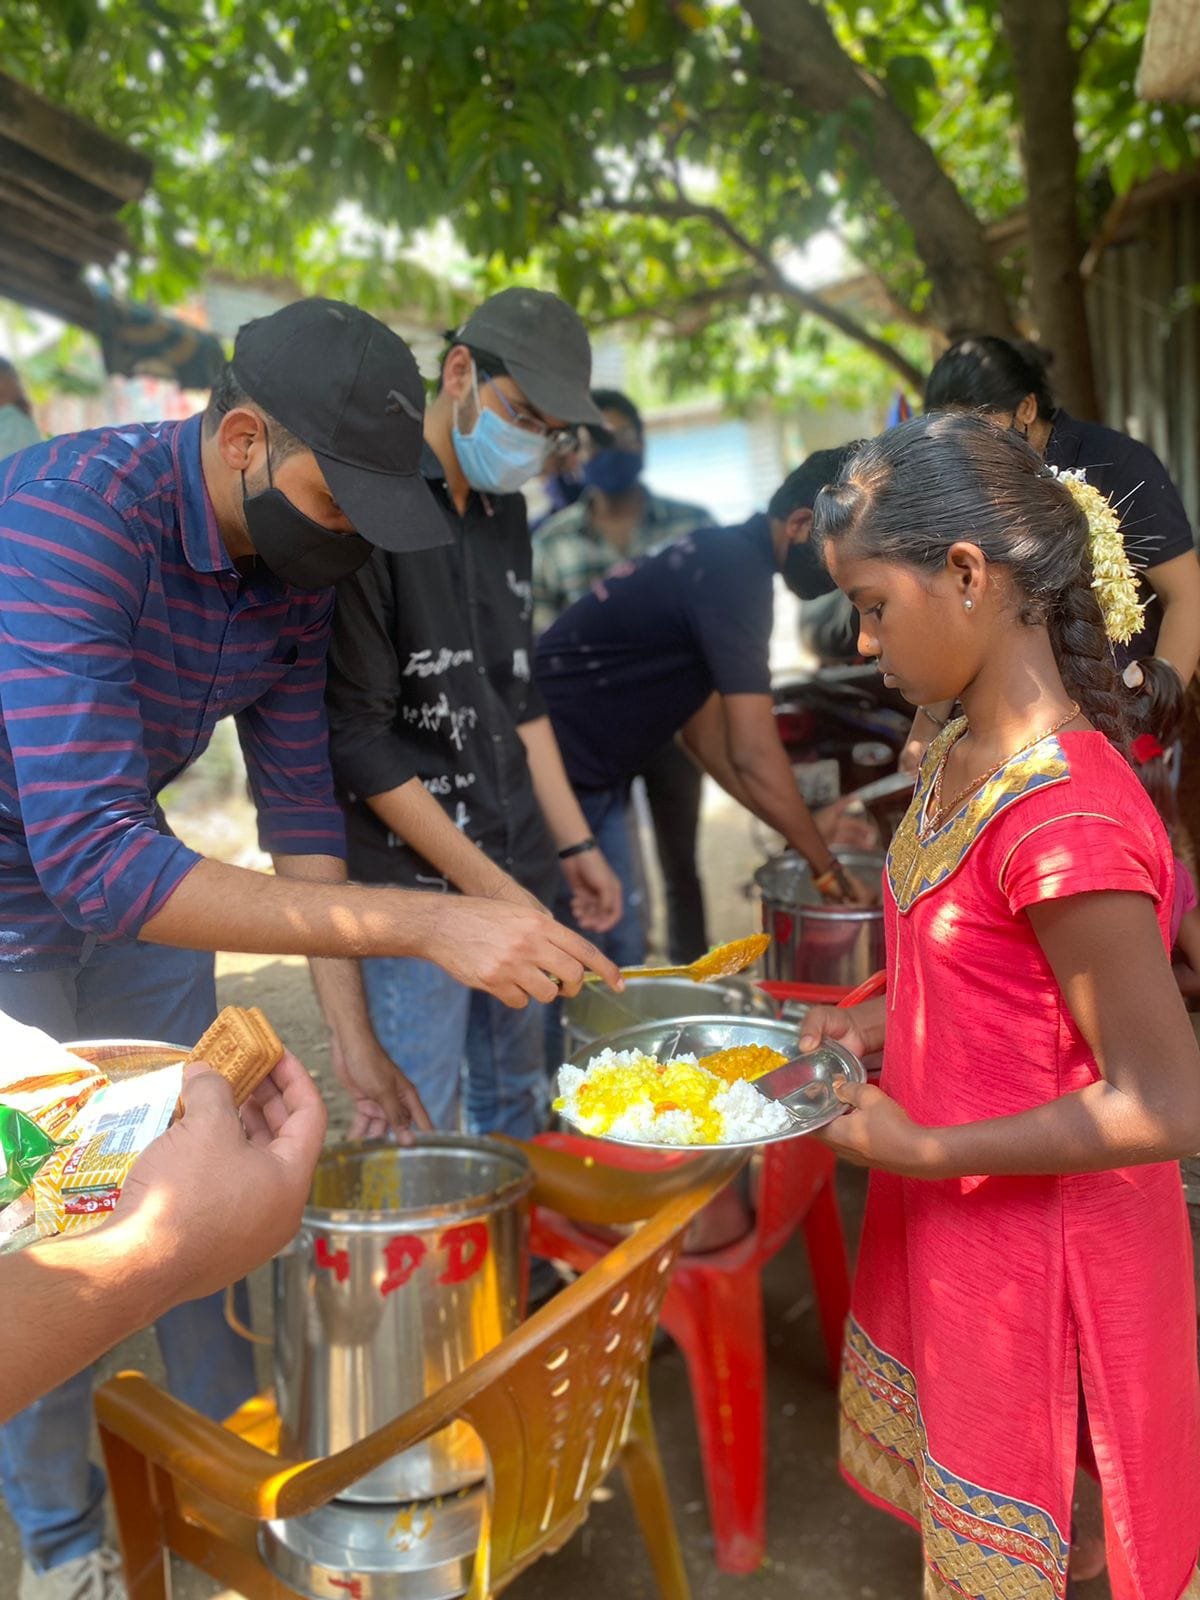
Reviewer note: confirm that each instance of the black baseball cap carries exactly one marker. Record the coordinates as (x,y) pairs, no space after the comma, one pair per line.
(544,347)
(348,388)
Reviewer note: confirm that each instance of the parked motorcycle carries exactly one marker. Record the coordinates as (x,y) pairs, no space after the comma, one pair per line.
(841,727)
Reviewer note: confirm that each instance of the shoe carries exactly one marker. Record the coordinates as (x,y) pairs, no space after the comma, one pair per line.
(97,1576)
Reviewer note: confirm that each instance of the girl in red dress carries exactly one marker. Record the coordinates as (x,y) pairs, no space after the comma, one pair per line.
(1025,1268)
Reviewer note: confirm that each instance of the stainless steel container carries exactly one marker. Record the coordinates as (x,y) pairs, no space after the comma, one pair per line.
(595,1012)
(812,942)
(409,1266)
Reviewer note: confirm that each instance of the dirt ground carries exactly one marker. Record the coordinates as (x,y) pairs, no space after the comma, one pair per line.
(823,1543)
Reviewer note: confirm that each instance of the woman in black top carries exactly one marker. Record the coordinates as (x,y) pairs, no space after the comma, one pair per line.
(1008,383)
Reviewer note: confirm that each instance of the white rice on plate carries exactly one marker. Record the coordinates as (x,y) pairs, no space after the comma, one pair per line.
(621,1095)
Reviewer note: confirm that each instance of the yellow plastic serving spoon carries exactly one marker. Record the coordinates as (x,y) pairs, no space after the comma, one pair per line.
(720,962)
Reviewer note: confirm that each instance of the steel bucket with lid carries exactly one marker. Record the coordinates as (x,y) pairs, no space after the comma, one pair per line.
(812,942)
(410,1264)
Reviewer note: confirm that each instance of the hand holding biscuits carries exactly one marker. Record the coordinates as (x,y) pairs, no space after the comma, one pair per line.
(242,1046)
(218,1194)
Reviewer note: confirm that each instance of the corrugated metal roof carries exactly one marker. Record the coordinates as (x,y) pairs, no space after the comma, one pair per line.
(62,183)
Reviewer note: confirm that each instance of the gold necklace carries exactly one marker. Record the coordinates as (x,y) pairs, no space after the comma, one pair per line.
(938,812)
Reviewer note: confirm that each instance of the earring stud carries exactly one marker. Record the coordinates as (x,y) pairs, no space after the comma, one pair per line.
(968,605)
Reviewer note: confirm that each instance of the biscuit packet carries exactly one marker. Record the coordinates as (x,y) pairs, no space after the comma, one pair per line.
(42,1079)
(99,1127)
(80,1186)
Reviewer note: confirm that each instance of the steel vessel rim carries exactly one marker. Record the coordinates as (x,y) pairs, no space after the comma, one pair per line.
(774,1027)
(468,1209)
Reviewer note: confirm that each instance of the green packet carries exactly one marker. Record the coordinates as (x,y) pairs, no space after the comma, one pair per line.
(25,1149)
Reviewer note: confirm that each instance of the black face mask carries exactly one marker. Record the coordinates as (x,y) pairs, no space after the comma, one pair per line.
(804,572)
(298,550)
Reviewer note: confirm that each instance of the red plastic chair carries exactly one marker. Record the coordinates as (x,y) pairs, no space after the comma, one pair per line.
(714,1311)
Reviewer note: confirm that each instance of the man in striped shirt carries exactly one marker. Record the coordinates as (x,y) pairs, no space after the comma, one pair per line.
(153,580)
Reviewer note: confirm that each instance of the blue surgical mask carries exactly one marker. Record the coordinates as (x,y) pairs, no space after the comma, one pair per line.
(496,456)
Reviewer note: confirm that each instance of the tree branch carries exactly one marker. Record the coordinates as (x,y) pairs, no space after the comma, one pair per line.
(735,290)
(1097,27)
(801,51)
(652,72)
(771,280)
(1045,72)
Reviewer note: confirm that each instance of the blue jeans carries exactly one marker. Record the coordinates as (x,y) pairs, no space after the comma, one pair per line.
(54,1492)
(438,1030)
(611,822)
(610,818)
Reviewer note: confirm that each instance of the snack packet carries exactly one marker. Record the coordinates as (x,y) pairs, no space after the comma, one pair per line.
(97,1128)
(43,1080)
(79,1190)
(24,1150)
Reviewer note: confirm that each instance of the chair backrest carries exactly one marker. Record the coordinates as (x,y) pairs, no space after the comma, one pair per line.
(553,1403)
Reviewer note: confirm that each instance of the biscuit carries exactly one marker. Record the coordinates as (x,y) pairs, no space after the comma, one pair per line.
(242,1046)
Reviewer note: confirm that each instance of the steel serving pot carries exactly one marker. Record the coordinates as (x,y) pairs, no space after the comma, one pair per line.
(812,942)
(595,1012)
(410,1264)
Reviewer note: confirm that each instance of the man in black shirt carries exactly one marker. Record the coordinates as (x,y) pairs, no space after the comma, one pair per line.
(440,741)
(678,644)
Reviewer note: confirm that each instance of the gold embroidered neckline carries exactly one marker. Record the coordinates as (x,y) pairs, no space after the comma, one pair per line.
(920,861)
(938,812)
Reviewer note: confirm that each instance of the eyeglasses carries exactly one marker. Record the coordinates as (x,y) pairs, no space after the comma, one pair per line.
(557,440)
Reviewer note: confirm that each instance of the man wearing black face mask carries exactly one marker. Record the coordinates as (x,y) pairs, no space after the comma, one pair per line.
(618,518)
(678,645)
(153,580)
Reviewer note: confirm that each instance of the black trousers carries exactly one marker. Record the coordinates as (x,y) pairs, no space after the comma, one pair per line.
(673,784)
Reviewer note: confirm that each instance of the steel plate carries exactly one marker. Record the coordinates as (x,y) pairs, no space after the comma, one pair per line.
(704,1036)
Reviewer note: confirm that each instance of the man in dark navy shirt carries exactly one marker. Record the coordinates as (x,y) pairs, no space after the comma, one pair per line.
(679,644)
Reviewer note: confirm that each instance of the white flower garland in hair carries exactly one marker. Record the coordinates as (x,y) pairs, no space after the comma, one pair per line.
(1114,578)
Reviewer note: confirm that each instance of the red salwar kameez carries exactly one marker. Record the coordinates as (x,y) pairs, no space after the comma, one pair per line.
(985,1308)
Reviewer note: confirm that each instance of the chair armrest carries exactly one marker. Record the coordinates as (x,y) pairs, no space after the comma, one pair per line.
(193,1449)
(238,1475)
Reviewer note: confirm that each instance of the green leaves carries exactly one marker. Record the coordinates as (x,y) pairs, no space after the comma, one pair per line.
(632,153)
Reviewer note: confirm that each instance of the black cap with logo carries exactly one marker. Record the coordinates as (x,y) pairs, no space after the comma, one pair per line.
(544,346)
(348,388)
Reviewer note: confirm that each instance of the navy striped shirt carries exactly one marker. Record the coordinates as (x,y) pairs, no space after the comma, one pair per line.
(126,633)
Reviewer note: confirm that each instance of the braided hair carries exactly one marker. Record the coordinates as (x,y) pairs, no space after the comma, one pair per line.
(918,489)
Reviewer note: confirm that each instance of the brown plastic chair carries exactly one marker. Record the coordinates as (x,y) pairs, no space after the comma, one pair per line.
(556,1404)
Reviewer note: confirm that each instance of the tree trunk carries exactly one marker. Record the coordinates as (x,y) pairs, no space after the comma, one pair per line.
(1046,69)
(800,50)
